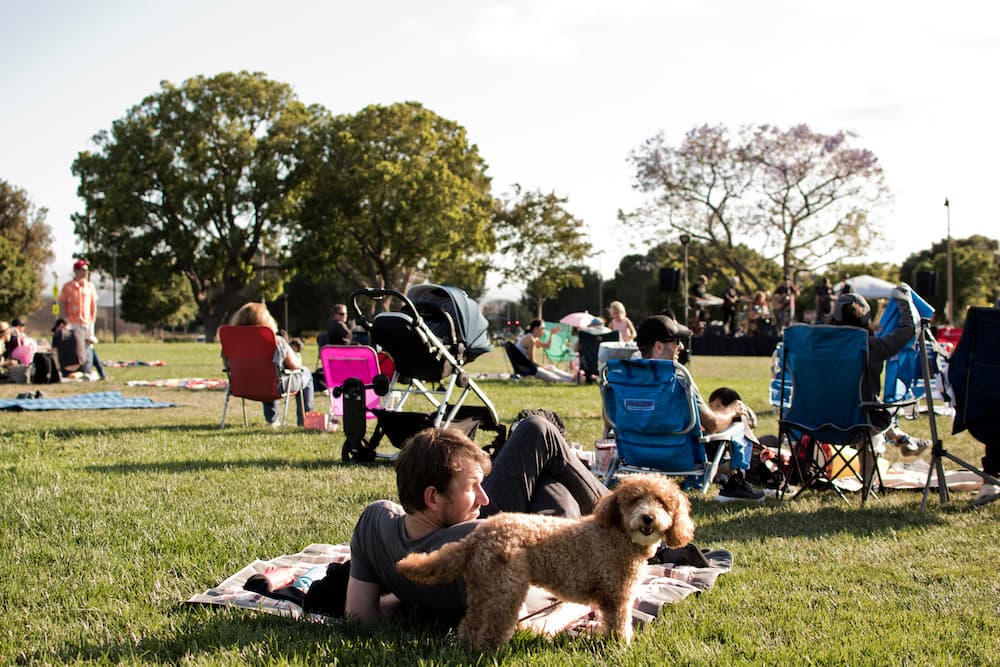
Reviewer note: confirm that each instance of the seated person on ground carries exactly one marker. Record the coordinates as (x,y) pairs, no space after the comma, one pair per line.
(446,482)
(660,337)
(532,340)
(736,486)
(851,309)
(70,347)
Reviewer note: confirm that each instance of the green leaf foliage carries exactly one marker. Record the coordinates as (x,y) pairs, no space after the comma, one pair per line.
(205,176)
(19,286)
(397,195)
(23,226)
(540,243)
(975,273)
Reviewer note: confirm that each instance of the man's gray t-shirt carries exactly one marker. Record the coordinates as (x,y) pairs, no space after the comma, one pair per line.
(379,542)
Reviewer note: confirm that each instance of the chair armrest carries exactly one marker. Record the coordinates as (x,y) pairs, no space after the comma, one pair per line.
(733,432)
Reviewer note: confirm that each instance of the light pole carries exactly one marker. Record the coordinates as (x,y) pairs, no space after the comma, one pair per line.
(950,309)
(113,240)
(685,239)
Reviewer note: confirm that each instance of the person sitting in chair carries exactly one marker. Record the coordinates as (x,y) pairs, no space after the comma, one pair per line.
(851,309)
(660,337)
(532,340)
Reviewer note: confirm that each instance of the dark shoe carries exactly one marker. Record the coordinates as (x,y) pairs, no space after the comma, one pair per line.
(911,446)
(737,488)
(686,555)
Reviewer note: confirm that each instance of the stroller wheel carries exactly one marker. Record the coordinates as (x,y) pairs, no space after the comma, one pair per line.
(363,454)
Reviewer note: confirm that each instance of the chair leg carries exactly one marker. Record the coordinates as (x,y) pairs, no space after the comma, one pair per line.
(711,470)
(225,406)
(243,402)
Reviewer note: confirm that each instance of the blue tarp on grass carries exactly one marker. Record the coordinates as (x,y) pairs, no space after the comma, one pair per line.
(104,400)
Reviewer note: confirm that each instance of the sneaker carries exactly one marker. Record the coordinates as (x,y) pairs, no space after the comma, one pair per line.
(911,446)
(987,492)
(737,488)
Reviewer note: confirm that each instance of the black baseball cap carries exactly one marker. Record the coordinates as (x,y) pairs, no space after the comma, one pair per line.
(660,328)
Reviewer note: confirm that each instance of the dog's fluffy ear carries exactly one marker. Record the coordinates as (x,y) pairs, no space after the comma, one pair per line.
(608,514)
(682,529)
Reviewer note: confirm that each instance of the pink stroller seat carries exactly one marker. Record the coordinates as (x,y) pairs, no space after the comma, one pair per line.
(349,361)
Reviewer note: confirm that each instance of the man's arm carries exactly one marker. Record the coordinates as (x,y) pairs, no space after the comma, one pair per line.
(365,603)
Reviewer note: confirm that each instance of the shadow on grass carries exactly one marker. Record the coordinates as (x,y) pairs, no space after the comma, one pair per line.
(200,633)
(226,464)
(791,519)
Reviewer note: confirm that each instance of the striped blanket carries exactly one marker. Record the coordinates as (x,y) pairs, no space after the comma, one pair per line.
(542,612)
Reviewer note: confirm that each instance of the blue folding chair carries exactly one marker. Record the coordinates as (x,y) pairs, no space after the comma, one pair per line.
(827,416)
(650,406)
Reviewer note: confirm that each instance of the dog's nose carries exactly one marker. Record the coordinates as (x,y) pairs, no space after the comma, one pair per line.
(647,519)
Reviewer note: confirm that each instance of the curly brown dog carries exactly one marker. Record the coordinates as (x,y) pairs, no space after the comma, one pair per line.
(595,560)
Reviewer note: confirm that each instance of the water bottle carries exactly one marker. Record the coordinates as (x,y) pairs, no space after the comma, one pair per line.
(304,581)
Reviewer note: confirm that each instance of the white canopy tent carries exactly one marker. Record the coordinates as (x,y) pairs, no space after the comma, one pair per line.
(867,286)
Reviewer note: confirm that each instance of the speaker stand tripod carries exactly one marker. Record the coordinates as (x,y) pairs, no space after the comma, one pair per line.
(938,451)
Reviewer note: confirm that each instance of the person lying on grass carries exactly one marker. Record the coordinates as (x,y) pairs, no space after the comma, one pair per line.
(445,483)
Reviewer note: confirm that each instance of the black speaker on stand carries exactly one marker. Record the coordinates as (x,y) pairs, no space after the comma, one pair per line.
(926,283)
(670,280)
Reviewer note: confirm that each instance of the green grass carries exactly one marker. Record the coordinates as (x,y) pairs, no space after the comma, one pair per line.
(110,519)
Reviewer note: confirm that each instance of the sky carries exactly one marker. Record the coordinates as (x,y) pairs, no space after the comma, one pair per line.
(555,93)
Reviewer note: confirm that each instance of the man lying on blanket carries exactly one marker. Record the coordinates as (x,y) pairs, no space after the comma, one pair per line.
(445,484)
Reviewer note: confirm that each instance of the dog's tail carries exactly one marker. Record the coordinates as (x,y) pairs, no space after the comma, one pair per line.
(437,567)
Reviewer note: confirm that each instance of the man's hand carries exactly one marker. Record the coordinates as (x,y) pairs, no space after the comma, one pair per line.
(901,292)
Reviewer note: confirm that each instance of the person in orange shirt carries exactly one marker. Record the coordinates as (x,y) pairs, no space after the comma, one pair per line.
(78,298)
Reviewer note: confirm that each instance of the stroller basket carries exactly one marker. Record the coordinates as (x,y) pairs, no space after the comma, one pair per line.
(399,426)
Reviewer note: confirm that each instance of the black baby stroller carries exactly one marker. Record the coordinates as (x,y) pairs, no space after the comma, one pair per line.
(435,332)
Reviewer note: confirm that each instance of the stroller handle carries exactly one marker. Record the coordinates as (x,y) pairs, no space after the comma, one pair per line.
(378,294)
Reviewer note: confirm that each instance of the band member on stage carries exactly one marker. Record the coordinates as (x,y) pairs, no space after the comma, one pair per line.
(783,302)
(730,303)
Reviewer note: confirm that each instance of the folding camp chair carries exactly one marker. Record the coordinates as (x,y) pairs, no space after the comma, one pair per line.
(826,422)
(521,366)
(248,355)
(590,344)
(559,350)
(973,371)
(652,410)
(340,362)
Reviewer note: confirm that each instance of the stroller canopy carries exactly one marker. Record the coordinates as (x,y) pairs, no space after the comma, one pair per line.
(472,327)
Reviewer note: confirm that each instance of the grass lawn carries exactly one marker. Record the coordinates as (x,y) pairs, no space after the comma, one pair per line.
(110,519)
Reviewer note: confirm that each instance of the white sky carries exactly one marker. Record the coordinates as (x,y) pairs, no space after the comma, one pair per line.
(555,93)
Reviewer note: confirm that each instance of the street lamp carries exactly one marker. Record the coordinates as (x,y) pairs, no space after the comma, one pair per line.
(685,239)
(950,310)
(113,238)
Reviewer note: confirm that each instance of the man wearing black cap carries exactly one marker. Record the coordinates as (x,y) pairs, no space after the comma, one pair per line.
(660,337)
(851,309)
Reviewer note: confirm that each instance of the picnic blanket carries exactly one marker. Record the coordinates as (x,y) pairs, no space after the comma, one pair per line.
(131,363)
(103,400)
(193,384)
(542,613)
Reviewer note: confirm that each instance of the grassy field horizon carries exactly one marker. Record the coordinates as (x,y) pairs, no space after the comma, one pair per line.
(110,519)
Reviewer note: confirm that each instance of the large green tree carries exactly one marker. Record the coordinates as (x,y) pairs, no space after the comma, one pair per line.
(975,273)
(799,197)
(18,285)
(539,243)
(23,226)
(204,176)
(397,195)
